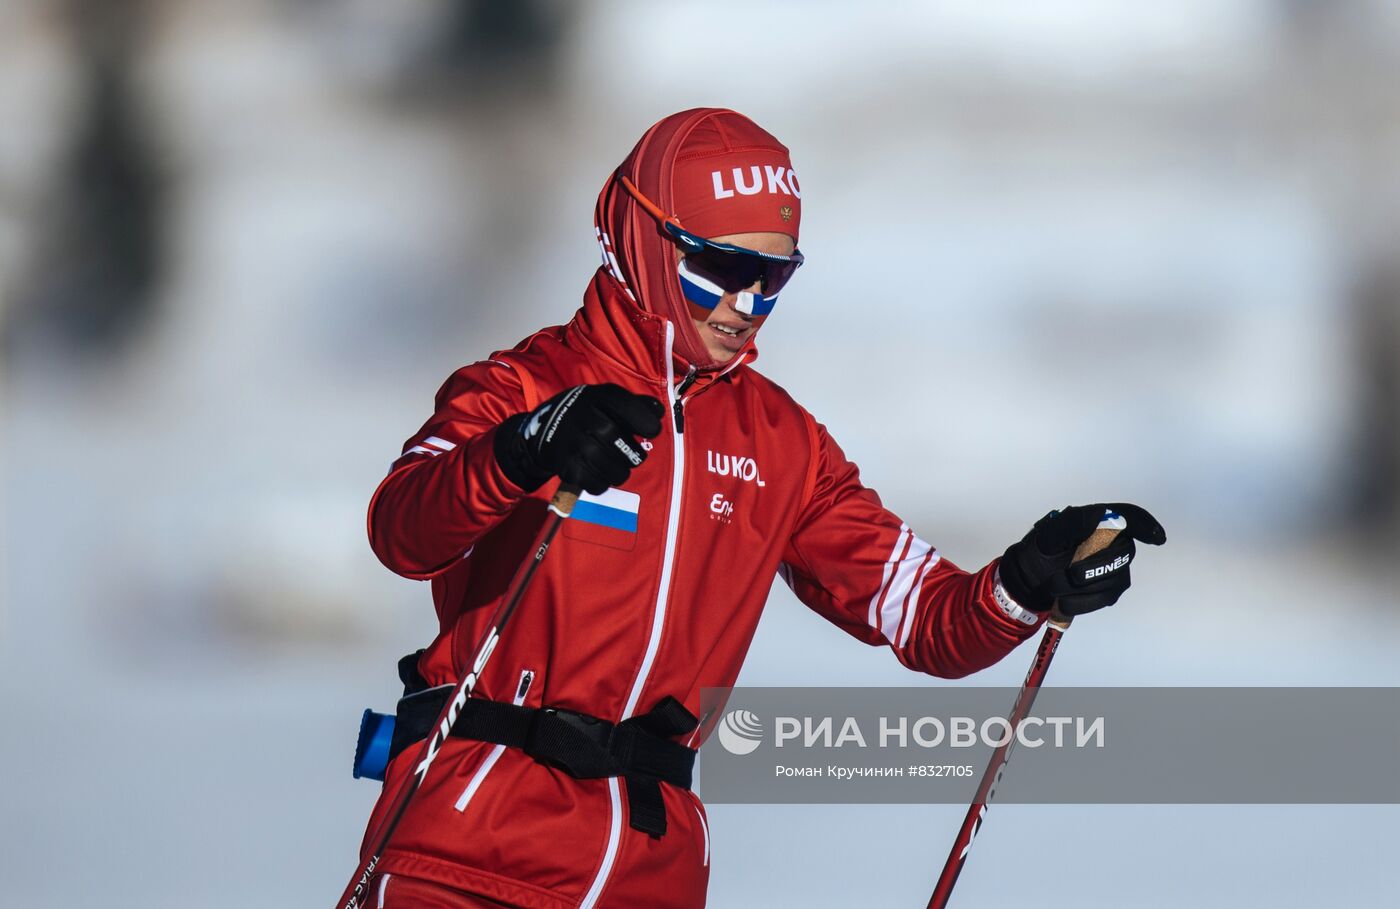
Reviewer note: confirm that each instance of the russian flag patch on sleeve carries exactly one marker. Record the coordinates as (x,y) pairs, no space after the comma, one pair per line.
(609,519)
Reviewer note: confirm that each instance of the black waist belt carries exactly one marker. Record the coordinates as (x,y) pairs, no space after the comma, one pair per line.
(639,749)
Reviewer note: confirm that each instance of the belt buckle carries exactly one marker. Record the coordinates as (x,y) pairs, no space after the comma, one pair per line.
(597,737)
(596,730)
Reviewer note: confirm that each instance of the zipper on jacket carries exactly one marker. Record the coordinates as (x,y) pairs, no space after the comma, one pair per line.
(658,621)
(677,410)
(527,677)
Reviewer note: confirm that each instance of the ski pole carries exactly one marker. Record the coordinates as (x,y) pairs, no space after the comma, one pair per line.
(560,507)
(1055,628)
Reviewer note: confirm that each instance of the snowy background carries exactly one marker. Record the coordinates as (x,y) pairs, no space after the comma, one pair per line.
(241,245)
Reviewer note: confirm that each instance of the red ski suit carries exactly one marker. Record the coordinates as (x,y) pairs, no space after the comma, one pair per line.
(660,596)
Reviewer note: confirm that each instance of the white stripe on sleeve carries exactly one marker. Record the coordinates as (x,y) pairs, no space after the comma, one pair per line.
(906,572)
(899,543)
(912,607)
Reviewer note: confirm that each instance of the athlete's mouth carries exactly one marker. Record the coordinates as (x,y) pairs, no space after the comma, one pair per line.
(731,330)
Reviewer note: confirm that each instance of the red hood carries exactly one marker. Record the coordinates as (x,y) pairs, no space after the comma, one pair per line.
(637,253)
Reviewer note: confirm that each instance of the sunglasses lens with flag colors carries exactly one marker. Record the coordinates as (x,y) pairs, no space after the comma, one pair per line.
(736,271)
(703,293)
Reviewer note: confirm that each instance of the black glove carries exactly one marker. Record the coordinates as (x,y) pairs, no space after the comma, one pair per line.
(1037,571)
(586,436)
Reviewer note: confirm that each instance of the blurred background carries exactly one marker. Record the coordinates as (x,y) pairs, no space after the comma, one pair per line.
(1099,250)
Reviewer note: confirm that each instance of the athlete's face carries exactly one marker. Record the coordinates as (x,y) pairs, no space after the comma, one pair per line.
(727,330)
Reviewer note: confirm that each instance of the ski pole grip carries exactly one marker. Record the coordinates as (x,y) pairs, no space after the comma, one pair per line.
(565,498)
(1098,541)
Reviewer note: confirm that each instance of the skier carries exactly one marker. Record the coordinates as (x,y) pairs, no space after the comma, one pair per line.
(566,781)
